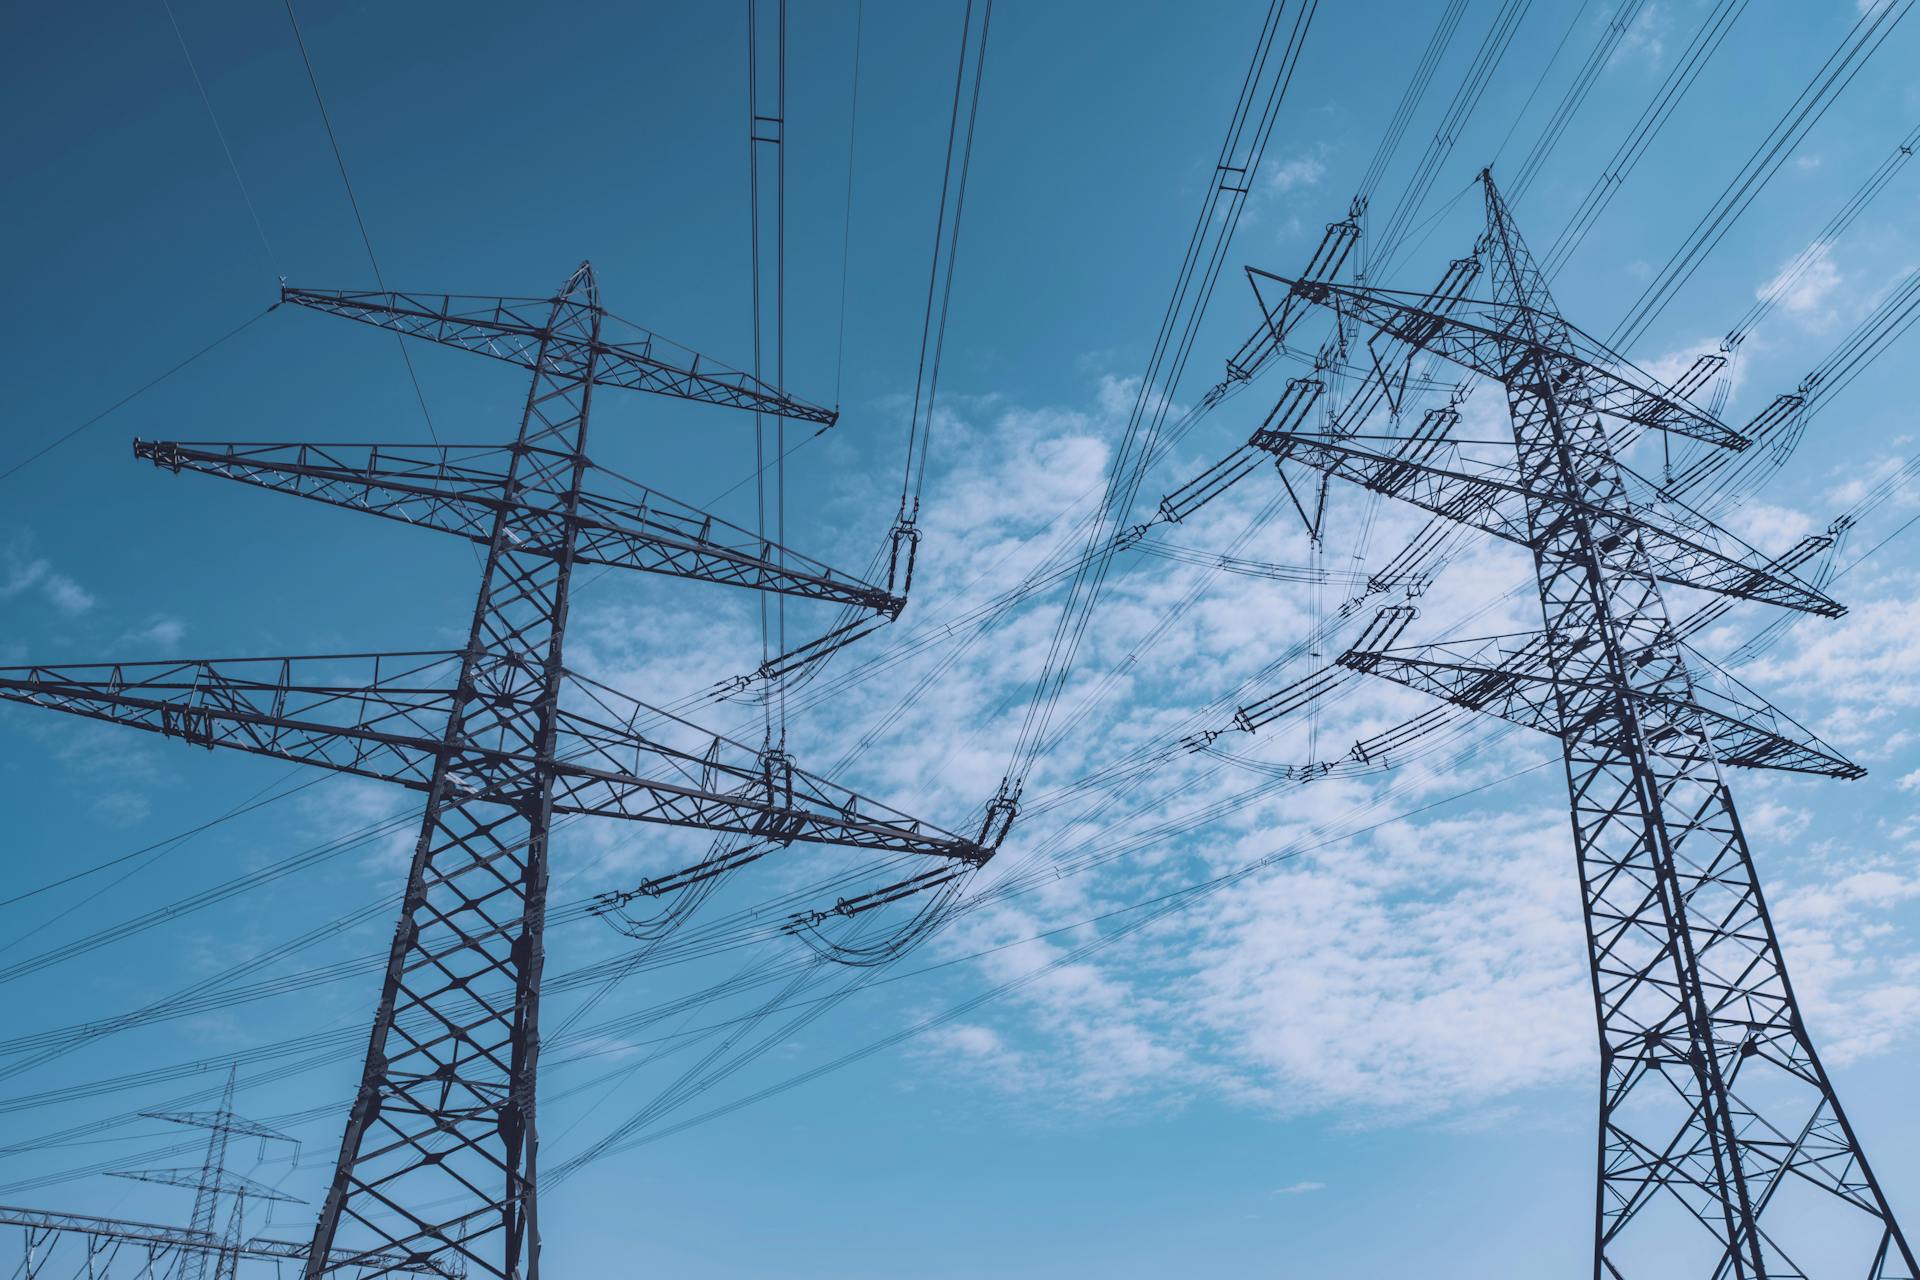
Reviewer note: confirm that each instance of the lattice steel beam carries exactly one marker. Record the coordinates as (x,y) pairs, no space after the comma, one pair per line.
(517,329)
(461,489)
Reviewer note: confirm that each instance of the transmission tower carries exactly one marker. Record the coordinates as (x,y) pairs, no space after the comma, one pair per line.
(180,1253)
(438,1159)
(213,1183)
(1714,1108)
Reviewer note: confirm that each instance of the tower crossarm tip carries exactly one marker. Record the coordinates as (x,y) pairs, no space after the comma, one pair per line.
(1496,339)
(1288,413)
(513,329)
(1329,259)
(466,490)
(1685,549)
(1512,677)
(702,779)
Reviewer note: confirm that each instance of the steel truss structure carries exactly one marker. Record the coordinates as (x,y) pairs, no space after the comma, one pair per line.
(1715,1111)
(437,1166)
(157,1247)
(202,1248)
(213,1184)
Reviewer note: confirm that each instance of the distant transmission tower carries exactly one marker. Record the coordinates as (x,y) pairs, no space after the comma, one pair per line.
(438,1159)
(214,1184)
(203,1248)
(1715,1112)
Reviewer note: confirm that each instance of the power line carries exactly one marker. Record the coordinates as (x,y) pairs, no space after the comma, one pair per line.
(846,224)
(1863,40)
(133,395)
(340,161)
(232,166)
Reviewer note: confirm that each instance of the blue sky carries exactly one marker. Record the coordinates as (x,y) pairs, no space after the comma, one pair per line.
(1373,1056)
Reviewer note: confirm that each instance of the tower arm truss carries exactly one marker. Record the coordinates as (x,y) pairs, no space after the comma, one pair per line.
(514,329)
(1516,684)
(1493,339)
(223,1181)
(372,715)
(221,1121)
(612,757)
(161,1237)
(1491,499)
(465,489)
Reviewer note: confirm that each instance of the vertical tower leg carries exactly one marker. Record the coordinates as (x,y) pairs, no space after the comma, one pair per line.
(444,1115)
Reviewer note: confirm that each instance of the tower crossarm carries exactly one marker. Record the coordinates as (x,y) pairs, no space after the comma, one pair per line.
(1515,682)
(161,1236)
(1496,339)
(223,1181)
(464,489)
(373,715)
(1693,554)
(613,757)
(221,1121)
(513,329)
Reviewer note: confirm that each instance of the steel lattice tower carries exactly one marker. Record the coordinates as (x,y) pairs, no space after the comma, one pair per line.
(1713,1102)
(438,1162)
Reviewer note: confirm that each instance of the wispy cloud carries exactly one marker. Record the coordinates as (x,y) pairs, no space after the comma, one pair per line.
(160,634)
(1644,44)
(1296,172)
(21,572)
(1434,968)
(1806,286)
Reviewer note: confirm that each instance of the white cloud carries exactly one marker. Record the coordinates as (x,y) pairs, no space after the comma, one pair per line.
(1433,969)
(1299,1188)
(1274,204)
(67,595)
(1769,527)
(1865,669)
(1644,44)
(1856,976)
(1430,969)
(1805,286)
(160,634)
(21,571)
(1299,171)
(123,808)
(1770,821)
